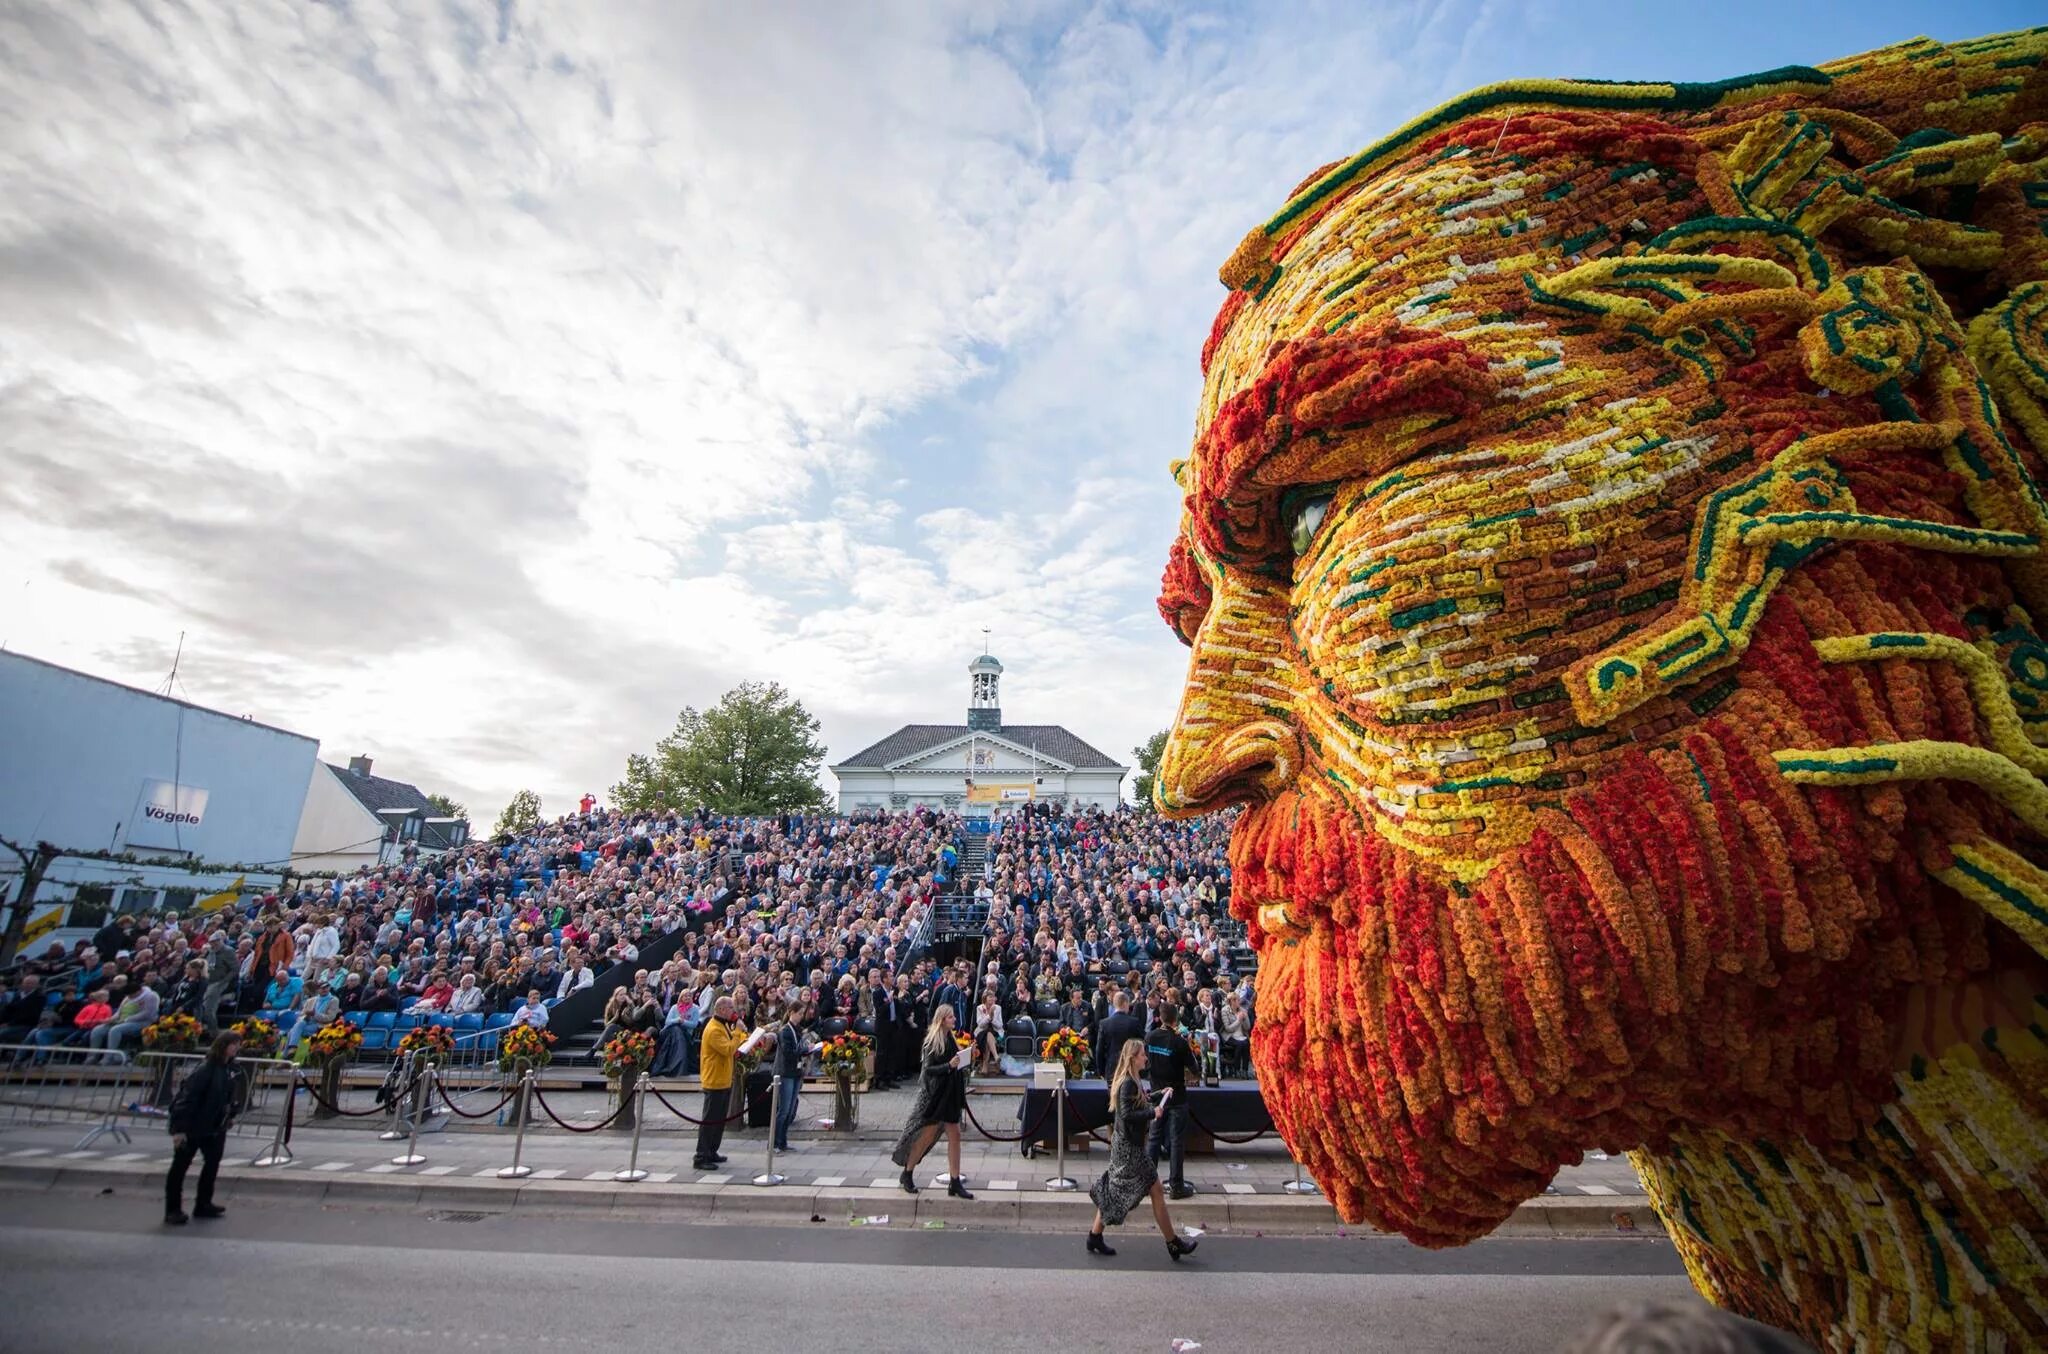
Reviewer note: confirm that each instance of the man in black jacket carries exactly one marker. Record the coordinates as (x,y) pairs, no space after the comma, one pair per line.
(200,1115)
(1118,1028)
(1168,1060)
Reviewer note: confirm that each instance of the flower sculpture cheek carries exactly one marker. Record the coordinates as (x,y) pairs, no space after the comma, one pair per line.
(1611,558)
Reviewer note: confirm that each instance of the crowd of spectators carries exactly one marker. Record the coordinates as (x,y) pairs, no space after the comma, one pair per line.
(815,914)
(504,926)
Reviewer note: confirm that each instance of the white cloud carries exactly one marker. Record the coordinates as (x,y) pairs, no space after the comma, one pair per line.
(477,389)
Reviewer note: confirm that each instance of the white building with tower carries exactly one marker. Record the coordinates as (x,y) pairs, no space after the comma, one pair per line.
(980,766)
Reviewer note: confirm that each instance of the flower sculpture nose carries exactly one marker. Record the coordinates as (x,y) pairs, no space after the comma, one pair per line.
(1232,741)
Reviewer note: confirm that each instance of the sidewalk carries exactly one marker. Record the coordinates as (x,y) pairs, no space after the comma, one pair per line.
(830,1177)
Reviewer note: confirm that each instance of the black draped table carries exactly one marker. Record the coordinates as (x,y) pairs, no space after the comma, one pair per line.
(1234,1108)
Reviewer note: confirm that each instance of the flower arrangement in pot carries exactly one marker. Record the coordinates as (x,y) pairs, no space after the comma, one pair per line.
(260,1037)
(331,1046)
(844,1058)
(1068,1048)
(525,1044)
(627,1055)
(428,1043)
(174,1033)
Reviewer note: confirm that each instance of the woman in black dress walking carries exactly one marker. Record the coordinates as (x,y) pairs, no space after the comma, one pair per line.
(941,1096)
(1131,1175)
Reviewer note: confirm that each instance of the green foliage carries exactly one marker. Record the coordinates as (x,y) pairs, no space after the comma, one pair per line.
(444,807)
(521,815)
(1148,754)
(756,751)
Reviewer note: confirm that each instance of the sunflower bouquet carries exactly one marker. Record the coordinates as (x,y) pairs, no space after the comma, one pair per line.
(174,1033)
(1068,1048)
(339,1040)
(434,1043)
(628,1049)
(535,1046)
(260,1037)
(846,1055)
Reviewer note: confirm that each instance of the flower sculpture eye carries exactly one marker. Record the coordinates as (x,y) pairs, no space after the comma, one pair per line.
(1307,521)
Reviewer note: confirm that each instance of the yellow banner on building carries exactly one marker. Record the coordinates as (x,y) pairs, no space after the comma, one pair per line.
(214,901)
(998,794)
(38,927)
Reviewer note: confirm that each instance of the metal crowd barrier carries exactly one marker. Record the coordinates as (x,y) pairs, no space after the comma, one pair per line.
(111,1091)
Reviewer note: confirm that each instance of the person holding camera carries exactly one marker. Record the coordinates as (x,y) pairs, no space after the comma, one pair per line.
(201,1114)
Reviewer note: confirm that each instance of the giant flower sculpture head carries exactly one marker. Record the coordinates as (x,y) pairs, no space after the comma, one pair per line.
(1611,558)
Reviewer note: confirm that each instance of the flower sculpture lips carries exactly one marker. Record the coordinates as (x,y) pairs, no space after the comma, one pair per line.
(1612,569)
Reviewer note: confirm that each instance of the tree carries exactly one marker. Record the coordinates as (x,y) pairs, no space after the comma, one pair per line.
(444,807)
(1148,754)
(521,815)
(756,751)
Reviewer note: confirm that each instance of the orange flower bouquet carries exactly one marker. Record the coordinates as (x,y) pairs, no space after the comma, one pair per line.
(259,1037)
(434,1043)
(628,1049)
(1067,1047)
(523,1042)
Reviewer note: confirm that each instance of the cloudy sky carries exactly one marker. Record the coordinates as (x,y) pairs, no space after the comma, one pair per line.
(475,384)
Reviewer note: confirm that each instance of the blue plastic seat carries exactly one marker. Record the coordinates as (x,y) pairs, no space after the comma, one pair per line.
(498,1021)
(376,1041)
(405,1022)
(379,1020)
(468,1024)
(443,1019)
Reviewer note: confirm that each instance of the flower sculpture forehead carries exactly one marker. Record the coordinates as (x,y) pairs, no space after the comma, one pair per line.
(1610,556)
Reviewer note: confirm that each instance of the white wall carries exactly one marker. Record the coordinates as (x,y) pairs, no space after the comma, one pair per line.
(335,831)
(75,751)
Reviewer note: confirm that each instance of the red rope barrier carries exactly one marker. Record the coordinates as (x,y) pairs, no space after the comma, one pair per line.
(560,1122)
(653,1091)
(314,1087)
(456,1109)
(1029,1133)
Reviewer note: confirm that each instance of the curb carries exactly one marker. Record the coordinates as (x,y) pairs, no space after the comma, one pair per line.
(1030,1211)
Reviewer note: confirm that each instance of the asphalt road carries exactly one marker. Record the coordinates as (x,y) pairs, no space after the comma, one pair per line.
(84,1272)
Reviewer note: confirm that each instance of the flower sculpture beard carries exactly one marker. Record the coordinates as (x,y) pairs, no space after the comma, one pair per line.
(1433,1051)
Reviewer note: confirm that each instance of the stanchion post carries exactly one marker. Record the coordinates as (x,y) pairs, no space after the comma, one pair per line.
(768,1176)
(516,1171)
(279,1153)
(411,1156)
(1060,1183)
(393,1133)
(1298,1185)
(633,1175)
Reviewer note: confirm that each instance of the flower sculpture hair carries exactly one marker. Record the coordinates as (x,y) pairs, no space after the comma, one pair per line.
(1612,556)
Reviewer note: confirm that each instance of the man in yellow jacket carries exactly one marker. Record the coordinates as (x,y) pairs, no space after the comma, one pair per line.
(721,1040)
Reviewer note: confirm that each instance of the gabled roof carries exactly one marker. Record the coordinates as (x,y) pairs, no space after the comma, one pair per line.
(1050,739)
(376,793)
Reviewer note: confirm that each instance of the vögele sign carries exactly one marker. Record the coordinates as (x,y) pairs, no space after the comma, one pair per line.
(164,811)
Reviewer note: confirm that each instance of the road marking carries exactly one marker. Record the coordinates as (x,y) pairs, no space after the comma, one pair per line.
(129,1156)
(332,1166)
(1002,1184)
(829,1180)
(440,1170)
(661,1177)
(79,1155)
(30,1152)
(599,1175)
(385,1169)
(488,1170)
(720,1179)
(549,1175)
(882,1183)
(1599,1189)
(1232,1187)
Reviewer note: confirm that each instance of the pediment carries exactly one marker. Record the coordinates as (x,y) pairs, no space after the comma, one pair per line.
(981,753)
